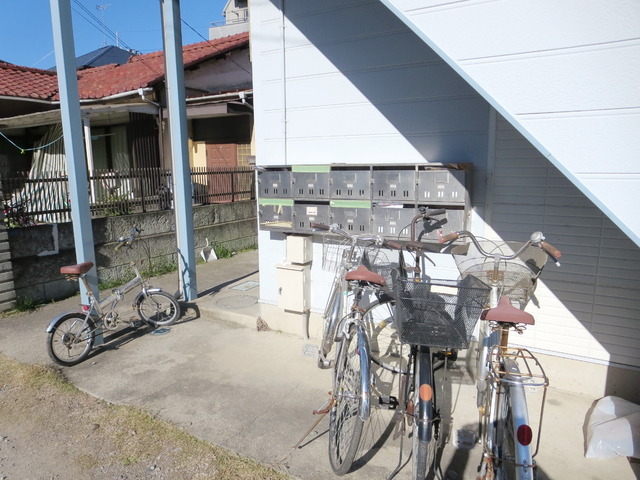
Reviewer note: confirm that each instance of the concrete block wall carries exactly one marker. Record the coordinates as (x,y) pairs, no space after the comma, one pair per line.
(7,290)
(37,253)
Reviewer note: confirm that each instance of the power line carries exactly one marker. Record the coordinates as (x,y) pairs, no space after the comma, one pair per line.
(211,44)
(98,24)
(101,26)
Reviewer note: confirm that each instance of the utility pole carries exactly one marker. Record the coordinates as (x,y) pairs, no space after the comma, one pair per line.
(176,103)
(73,143)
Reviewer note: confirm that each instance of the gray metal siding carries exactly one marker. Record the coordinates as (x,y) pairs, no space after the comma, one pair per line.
(590,307)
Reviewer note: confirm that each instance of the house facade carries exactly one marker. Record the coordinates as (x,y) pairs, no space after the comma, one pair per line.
(547,122)
(124,107)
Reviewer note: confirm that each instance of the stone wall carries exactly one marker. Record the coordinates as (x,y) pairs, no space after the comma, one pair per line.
(38,252)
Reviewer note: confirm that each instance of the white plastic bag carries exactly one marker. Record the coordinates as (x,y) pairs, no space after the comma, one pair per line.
(613,429)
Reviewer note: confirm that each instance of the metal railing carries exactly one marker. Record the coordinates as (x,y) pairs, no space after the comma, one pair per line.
(28,200)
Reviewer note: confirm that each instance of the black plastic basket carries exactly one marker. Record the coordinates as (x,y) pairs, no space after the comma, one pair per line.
(439,313)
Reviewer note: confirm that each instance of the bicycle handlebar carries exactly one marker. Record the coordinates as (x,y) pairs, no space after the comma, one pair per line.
(426,215)
(536,240)
(378,240)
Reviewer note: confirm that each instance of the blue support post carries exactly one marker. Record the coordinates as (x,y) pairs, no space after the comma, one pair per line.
(176,103)
(73,141)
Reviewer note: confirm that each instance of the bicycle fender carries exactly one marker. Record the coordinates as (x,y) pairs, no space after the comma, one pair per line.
(365,378)
(59,317)
(520,416)
(425,402)
(142,293)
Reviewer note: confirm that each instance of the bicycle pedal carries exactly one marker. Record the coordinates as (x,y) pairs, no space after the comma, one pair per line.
(450,355)
(388,402)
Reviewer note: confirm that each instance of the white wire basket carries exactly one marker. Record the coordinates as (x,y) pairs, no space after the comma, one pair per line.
(517,277)
(334,250)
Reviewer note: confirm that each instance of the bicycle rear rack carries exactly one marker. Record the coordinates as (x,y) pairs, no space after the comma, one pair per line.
(518,366)
(529,372)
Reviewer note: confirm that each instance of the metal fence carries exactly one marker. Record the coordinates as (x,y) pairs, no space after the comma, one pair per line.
(28,200)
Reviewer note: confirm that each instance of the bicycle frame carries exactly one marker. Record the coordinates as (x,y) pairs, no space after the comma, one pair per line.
(337,304)
(343,328)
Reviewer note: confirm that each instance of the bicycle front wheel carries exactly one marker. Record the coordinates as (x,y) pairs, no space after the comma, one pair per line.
(333,312)
(424,423)
(345,424)
(71,339)
(384,344)
(158,309)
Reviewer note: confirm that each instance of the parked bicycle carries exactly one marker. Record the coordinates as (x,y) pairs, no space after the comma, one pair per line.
(408,333)
(504,373)
(345,325)
(433,319)
(342,253)
(71,335)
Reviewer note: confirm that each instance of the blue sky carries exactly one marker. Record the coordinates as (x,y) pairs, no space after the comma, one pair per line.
(26,38)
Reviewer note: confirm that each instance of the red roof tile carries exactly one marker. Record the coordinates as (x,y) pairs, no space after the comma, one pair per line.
(93,83)
(17,81)
(146,70)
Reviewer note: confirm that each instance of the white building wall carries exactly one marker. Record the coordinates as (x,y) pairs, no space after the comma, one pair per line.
(360,88)
(231,73)
(347,82)
(563,72)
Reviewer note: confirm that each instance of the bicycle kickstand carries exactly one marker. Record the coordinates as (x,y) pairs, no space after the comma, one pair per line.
(326,408)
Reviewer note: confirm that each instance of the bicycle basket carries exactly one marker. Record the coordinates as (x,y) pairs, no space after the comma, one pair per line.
(439,313)
(334,248)
(382,261)
(517,277)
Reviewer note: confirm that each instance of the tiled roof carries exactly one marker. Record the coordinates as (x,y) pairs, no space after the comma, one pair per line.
(139,72)
(17,81)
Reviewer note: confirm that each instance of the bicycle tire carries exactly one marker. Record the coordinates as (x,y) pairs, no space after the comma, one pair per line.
(331,315)
(70,331)
(158,309)
(423,449)
(345,425)
(505,461)
(384,343)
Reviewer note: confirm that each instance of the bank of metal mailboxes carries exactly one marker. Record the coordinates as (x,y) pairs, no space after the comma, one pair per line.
(392,220)
(310,184)
(378,199)
(350,184)
(275,213)
(352,216)
(451,221)
(442,187)
(394,185)
(274,184)
(304,214)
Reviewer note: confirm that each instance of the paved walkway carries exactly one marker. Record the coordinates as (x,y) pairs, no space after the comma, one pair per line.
(254,391)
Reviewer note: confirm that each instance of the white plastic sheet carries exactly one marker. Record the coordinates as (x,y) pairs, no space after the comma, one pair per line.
(613,429)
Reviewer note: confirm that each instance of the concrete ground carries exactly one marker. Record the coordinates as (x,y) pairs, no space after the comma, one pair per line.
(254,392)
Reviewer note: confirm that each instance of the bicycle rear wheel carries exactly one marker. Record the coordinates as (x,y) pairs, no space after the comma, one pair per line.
(345,425)
(424,423)
(513,459)
(158,308)
(71,339)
